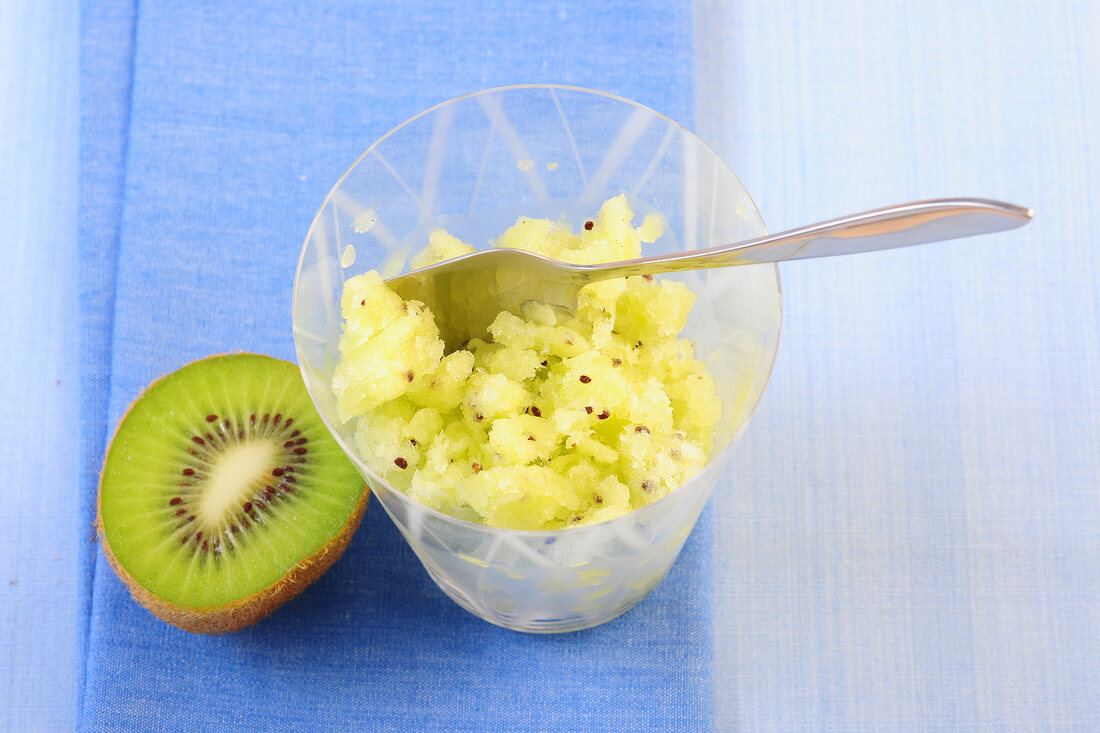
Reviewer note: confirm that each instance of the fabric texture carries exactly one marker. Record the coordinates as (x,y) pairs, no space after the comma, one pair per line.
(240,120)
(40,597)
(106,61)
(912,542)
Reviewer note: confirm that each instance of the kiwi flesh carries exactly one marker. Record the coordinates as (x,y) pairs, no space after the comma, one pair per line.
(223,495)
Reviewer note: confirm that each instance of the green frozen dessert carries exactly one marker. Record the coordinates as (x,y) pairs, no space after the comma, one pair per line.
(560,418)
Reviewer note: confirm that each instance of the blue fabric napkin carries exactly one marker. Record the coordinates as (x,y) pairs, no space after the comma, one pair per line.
(240,119)
(106,55)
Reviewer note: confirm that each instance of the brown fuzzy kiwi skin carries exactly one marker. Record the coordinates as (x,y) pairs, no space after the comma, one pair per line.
(250,609)
(245,611)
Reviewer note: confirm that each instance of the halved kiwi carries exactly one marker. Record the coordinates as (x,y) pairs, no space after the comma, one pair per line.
(223,495)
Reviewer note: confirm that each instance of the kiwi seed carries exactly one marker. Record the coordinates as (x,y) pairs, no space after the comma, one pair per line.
(223,495)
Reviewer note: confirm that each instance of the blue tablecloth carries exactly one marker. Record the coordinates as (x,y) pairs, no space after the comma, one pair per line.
(910,537)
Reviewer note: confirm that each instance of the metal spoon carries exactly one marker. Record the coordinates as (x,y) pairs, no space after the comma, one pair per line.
(466,293)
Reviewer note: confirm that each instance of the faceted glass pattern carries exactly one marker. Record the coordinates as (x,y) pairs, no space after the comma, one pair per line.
(473,165)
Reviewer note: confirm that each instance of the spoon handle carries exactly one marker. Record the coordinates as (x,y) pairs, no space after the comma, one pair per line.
(904,225)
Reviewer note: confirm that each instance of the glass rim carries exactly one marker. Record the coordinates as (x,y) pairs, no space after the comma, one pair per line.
(719,458)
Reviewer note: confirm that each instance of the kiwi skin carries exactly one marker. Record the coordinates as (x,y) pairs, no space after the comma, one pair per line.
(245,611)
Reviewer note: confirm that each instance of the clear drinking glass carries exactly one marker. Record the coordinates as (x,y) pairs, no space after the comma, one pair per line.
(473,165)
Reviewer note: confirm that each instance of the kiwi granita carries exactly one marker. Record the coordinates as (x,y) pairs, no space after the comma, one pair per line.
(223,494)
(556,418)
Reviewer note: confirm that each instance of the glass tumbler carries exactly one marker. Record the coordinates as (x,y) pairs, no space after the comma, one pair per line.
(473,165)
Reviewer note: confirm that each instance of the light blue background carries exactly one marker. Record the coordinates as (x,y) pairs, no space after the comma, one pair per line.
(911,536)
